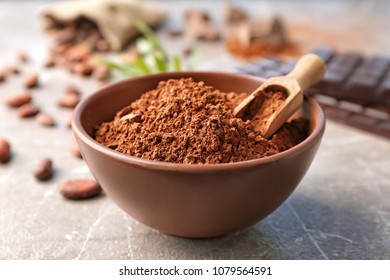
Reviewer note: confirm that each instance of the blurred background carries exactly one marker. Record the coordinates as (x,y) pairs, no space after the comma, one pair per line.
(340,210)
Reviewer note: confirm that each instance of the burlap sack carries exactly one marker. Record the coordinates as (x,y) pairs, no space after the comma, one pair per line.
(114,18)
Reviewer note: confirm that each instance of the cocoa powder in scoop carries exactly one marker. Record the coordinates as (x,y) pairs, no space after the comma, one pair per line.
(183,121)
(263,107)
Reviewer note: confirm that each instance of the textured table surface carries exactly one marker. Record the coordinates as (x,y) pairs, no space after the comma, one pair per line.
(340,210)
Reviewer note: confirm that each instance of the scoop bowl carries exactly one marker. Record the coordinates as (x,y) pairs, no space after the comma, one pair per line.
(192,200)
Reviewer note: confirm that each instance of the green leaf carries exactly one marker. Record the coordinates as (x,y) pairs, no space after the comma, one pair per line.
(160,63)
(131,70)
(144,46)
(125,68)
(149,35)
(176,63)
(141,65)
(110,64)
(152,57)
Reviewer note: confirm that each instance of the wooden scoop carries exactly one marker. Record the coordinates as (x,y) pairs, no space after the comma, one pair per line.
(309,70)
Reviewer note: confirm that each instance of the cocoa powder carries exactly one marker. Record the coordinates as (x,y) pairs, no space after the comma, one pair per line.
(251,39)
(183,121)
(260,110)
(261,49)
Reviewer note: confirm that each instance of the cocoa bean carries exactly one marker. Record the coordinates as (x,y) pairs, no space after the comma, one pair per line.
(45,119)
(63,62)
(43,169)
(50,62)
(18,100)
(69,101)
(2,77)
(22,56)
(79,189)
(5,150)
(78,53)
(71,89)
(65,35)
(31,80)
(28,110)
(59,49)
(82,69)
(12,70)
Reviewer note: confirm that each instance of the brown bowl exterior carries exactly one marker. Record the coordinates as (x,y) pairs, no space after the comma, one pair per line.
(191,200)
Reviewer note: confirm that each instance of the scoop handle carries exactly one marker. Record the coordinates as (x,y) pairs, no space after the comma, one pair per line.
(309,70)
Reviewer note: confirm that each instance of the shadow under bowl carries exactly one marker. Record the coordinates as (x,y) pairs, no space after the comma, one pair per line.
(192,200)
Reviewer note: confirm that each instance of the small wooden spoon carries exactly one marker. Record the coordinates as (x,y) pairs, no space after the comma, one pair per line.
(309,70)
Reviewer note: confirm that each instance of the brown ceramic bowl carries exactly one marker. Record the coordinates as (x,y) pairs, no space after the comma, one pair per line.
(192,200)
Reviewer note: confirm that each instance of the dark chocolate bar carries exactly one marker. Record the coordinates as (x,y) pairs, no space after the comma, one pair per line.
(354,91)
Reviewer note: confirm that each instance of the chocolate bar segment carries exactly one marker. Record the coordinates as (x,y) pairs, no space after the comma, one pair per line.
(384,92)
(361,87)
(377,65)
(334,79)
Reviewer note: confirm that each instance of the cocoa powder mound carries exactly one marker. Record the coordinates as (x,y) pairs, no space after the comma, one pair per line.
(183,121)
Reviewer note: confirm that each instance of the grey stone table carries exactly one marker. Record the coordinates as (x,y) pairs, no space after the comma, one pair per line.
(341,209)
